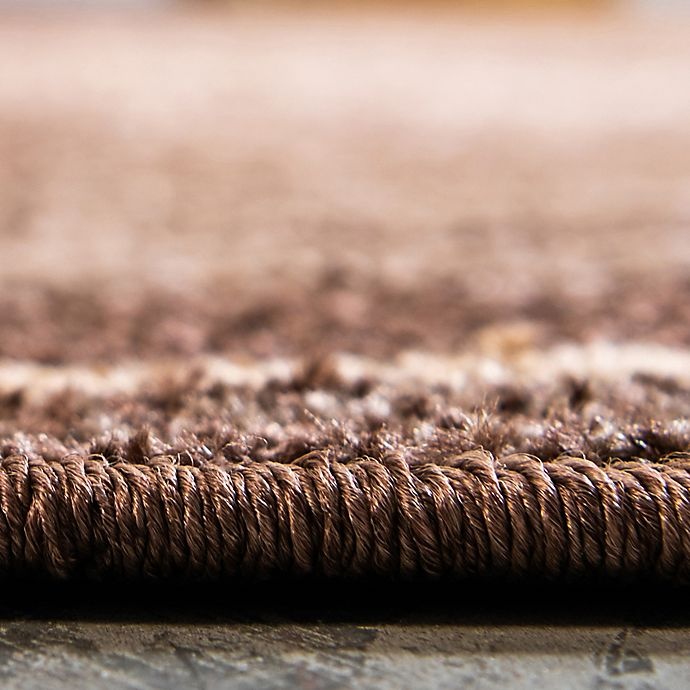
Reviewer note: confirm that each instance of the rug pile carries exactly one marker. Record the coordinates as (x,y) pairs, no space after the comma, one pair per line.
(344,295)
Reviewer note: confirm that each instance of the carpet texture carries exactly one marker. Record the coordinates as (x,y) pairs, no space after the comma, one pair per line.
(344,295)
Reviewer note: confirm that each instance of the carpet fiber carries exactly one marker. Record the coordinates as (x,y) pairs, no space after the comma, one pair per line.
(275,301)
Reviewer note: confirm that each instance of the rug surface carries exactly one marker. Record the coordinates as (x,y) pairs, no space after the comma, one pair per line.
(344,295)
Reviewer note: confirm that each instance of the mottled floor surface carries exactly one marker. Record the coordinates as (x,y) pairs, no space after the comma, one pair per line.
(380,637)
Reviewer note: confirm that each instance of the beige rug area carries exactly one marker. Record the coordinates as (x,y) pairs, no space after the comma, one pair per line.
(344,294)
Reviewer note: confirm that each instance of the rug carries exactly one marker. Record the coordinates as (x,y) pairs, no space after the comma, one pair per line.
(344,295)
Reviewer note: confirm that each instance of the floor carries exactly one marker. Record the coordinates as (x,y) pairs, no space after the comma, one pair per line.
(340,635)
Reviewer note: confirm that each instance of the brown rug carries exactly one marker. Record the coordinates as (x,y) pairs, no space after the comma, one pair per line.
(344,295)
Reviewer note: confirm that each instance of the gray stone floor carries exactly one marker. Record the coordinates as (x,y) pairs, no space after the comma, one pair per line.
(332,636)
